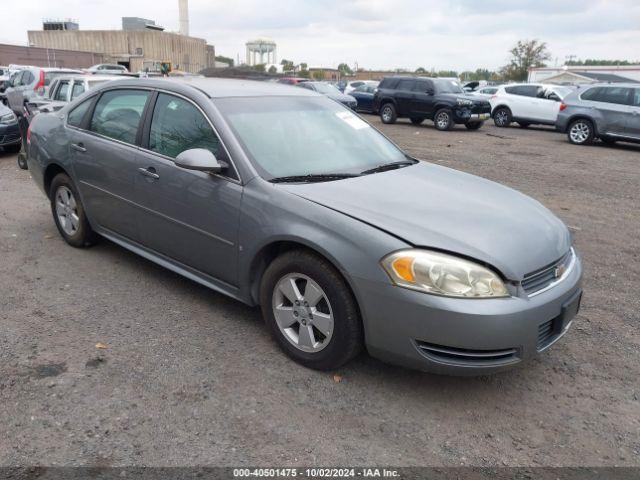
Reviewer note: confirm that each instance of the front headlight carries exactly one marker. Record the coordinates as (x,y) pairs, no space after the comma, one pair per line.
(8,119)
(464,102)
(442,274)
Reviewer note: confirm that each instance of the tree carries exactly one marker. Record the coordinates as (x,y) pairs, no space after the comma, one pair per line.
(594,62)
(318,75)
(227,60)
(447,73)
(421,70)
(345,69)
(287,65)
(260,67)
(524,55)
(273,69)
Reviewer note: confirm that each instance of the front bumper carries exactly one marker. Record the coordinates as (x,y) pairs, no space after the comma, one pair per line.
(471,114)
(465,336)
(9,135)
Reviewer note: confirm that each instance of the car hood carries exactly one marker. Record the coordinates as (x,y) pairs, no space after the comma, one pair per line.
(341,97)
(436,207)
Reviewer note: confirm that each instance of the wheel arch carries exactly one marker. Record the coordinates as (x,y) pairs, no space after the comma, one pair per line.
(50,173)
(502,105)
(270,251)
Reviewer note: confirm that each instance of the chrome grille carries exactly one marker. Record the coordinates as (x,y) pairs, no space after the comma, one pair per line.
(536,281)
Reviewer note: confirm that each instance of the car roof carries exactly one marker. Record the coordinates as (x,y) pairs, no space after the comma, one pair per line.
(87,76)
(216,87)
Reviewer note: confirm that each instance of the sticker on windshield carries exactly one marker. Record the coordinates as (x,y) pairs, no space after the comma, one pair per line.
(351,120)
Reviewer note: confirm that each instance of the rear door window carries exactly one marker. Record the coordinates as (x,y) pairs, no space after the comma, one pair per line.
(118,113)
(619,95)
(62,91)
(636,97)
(77,90)
(406,84)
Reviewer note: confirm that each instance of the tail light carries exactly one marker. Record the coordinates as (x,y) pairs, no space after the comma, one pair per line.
(563,106)
(39,88)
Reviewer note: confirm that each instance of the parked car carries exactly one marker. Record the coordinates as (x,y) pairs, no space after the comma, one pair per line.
(283,198)
(108,69)
(419,98)
(485,92)
(67,88)
(332,92)
(351,86)
(4,77)
(9,130)
(292,80)
(527,104)
(35,81)
(364,96)
(610,112)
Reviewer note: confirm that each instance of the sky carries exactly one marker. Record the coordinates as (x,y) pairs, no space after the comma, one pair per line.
(374,34)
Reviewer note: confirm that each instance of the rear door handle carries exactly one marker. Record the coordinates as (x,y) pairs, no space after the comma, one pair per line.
(79,147)
(149,172)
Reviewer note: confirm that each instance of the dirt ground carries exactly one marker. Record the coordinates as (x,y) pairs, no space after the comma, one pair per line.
(190,377)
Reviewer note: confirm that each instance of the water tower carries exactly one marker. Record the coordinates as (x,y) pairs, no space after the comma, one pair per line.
(261,51)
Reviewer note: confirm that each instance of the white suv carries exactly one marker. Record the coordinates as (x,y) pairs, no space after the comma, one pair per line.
(527,103)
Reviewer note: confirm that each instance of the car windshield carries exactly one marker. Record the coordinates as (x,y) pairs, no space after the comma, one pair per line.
(326,88)
(448,86)
(290,136)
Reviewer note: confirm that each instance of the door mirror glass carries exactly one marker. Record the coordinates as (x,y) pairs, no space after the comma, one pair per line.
(553,96)
(199,159)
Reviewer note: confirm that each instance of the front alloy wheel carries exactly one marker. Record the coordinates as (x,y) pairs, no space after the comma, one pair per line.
(303,312)
(310,310)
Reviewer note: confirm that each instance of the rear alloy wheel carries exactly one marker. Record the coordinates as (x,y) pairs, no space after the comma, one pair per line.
(310,310)
(416,120)
(443,119)
(388,113)
(473,125)
(68,213)
(502,117)
(581,132)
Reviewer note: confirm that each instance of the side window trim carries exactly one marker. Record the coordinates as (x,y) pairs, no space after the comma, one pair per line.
(146,132)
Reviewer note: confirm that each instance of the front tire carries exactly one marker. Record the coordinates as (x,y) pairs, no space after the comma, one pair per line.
(68,213)
(388,113)
(22,160)
(473,125)
(443,119)
(502,117)
(310,310)
(581,132)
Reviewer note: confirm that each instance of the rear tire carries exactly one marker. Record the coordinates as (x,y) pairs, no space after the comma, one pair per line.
(68,213)
(473,125)
(22,161)
(333,320)
(388,113)
(581,132)
(502,117)
(416,120)
(443,119)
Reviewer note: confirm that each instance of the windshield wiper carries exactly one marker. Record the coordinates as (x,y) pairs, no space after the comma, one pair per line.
(389,166)
(313,177)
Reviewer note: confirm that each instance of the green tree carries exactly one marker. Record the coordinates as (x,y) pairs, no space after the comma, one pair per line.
(287,65)
(227,60)
(421,70)
(345,69)
(524,55)
(447,73)
(273,69)
(261,67)
(596,62)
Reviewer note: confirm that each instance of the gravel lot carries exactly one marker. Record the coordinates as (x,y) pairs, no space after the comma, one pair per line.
(190,377)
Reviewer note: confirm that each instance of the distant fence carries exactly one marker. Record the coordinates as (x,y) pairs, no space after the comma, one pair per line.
(47,57)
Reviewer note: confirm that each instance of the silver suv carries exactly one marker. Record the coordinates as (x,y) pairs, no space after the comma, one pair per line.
(610,112)
(35,81)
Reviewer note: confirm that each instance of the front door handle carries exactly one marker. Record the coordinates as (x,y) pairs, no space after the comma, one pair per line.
(79,147)
(149,172)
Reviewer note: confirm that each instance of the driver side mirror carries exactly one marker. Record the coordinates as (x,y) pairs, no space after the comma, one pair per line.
(199,159)
(554,97)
